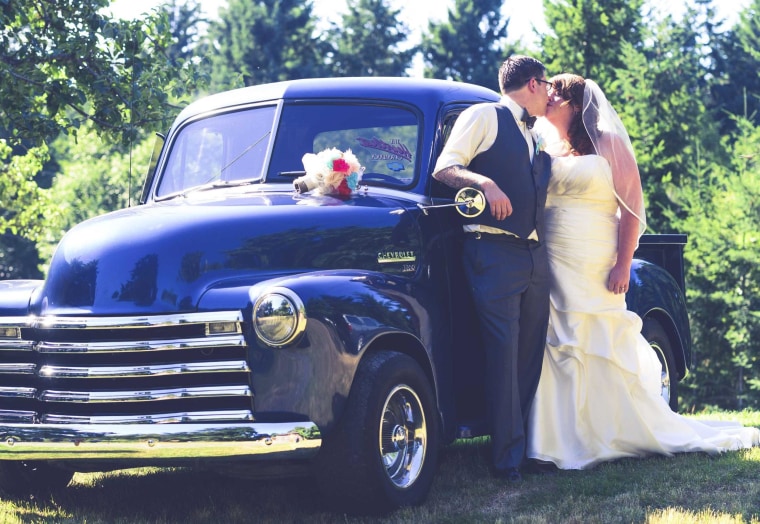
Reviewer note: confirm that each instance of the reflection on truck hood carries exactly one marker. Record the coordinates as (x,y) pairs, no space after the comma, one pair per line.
(160,258)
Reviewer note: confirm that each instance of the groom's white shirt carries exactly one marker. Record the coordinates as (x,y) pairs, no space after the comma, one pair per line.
(474,132)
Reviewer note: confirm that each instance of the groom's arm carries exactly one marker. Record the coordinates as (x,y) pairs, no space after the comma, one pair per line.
(458,176)
(474,131)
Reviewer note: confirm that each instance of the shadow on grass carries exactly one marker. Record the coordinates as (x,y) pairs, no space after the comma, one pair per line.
(629,490)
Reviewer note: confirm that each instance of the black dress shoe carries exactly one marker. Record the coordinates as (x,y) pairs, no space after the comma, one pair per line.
(508,474)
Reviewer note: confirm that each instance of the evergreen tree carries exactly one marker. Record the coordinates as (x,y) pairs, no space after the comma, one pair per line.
(186,23)
(368,41)
(737,72)
(256,42)
(585,36)
(661,95)
(469,46)
(721,214)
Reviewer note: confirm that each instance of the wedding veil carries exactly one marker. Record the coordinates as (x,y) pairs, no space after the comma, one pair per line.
(610,140)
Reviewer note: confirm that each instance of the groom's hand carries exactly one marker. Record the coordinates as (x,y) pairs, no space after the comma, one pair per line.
(498,201)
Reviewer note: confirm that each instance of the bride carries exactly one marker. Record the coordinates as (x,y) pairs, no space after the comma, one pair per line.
(598,398)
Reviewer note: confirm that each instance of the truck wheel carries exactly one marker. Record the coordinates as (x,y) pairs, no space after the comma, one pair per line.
(660,343)
(383,452)
(21,478)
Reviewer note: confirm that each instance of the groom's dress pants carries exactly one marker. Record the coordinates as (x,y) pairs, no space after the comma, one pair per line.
(509,279)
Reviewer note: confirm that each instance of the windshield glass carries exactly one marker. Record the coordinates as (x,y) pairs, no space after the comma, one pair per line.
(383,138)
(223,148)
(231,147)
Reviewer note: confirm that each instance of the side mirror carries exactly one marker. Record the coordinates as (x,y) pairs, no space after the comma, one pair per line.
(469,202)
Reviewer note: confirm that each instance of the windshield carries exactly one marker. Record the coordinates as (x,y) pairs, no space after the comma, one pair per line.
(232,147)
(220,149)
(383,138)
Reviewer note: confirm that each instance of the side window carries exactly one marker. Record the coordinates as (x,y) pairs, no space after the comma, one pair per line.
(448,124)
(438,189)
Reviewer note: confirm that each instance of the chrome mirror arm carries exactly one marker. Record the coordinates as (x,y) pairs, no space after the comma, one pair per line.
(470,202)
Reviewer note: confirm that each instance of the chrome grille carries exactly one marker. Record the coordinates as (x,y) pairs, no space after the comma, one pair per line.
(153,369)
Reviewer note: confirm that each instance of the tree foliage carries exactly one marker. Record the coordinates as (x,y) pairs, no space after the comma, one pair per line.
(25,208)
(736,88)
(662,96)
(720,211)
(186,24)
(586,36)
(469,46)
(63,63)
(255,42)
(370,41)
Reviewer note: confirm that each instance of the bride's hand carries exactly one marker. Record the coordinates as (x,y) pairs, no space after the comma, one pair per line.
(618,280)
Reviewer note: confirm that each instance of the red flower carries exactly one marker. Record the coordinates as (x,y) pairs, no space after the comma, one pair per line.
(340,165)
(343,188)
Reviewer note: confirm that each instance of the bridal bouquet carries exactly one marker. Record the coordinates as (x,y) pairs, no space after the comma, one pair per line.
(330,172)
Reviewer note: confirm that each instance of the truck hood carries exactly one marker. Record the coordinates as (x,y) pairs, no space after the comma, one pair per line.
(162,257)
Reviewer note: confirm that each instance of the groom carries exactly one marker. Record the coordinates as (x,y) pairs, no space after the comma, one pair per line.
(492,148)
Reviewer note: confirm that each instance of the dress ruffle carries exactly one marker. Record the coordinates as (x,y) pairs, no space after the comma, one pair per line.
(599,397)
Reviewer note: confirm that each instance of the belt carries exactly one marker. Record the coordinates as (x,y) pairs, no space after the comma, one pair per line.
(501,237)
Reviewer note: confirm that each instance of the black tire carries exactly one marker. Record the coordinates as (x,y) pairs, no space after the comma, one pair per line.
(383,452)
(22,478)
(660,343)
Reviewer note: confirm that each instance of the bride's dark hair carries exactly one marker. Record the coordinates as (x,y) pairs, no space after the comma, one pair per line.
(570,88)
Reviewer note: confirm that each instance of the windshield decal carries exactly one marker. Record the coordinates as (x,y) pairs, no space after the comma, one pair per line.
(394,150)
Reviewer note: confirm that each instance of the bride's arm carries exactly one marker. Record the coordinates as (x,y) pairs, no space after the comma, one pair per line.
(628,238)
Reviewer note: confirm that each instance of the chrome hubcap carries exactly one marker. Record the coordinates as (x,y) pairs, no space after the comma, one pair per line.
(664,375)
(403,436)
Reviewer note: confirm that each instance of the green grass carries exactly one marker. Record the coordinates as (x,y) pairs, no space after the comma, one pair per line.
(686,488)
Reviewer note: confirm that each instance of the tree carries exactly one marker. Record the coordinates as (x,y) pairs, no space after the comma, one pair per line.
(736,84)
(586,36)
(24,206)
(470,46)
(63,63)
(368,42)
(661,96)
(721,214)
(256,42)
(186,23)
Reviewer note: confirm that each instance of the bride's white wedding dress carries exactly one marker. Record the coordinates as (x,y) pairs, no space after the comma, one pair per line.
(599,397)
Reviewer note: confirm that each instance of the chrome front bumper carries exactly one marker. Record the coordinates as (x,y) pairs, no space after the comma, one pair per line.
(108,442)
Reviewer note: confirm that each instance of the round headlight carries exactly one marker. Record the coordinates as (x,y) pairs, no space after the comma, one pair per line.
(278,317)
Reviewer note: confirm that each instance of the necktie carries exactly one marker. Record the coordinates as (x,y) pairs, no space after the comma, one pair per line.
(529,120)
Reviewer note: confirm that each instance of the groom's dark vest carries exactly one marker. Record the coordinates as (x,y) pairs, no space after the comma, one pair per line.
(507,162)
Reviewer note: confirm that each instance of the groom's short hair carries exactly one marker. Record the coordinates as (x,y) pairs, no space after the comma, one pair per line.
(517,70)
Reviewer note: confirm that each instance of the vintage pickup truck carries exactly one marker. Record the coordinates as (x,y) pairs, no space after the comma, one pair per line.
(233,323)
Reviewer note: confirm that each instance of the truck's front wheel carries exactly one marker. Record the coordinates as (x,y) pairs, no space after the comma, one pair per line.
(383,453)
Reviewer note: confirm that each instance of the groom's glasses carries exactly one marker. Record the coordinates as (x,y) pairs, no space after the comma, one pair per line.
(549,85)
